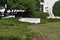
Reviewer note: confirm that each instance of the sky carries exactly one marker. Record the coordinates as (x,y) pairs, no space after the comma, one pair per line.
(59,0)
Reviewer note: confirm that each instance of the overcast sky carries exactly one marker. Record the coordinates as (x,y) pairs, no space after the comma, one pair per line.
(59,0)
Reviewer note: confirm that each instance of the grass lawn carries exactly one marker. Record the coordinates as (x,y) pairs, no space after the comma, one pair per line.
(51,30)
(12,29)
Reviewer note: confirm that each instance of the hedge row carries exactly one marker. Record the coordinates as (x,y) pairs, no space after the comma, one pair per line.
(39,15)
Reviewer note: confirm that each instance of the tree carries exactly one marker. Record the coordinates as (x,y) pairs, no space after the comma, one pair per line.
(21,4)
(29,5)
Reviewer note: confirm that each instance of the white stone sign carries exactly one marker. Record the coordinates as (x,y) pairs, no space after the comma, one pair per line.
(30,20)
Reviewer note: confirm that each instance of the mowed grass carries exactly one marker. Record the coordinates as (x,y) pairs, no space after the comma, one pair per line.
(51,30)
(12,29)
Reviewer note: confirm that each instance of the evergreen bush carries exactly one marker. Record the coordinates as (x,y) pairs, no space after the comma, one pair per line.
(40,15)
(56,9)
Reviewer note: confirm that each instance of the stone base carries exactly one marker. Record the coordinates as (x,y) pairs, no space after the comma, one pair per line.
(54,17)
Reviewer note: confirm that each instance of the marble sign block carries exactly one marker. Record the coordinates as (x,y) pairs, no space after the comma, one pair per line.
(30,20)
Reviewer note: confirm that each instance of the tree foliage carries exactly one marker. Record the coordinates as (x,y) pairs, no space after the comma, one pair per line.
(22,4)
(29,5)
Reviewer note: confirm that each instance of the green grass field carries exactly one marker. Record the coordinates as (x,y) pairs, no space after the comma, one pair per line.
(51,30)
(12,29)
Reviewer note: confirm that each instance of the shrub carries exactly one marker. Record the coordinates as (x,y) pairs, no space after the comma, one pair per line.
(56,9)
(39,15)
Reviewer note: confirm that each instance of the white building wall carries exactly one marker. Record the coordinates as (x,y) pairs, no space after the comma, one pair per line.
(48,6)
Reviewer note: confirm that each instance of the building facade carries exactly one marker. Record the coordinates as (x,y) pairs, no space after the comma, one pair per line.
(47,6)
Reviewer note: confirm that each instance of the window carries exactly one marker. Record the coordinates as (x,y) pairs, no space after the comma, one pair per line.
(41,6)
(42,0)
